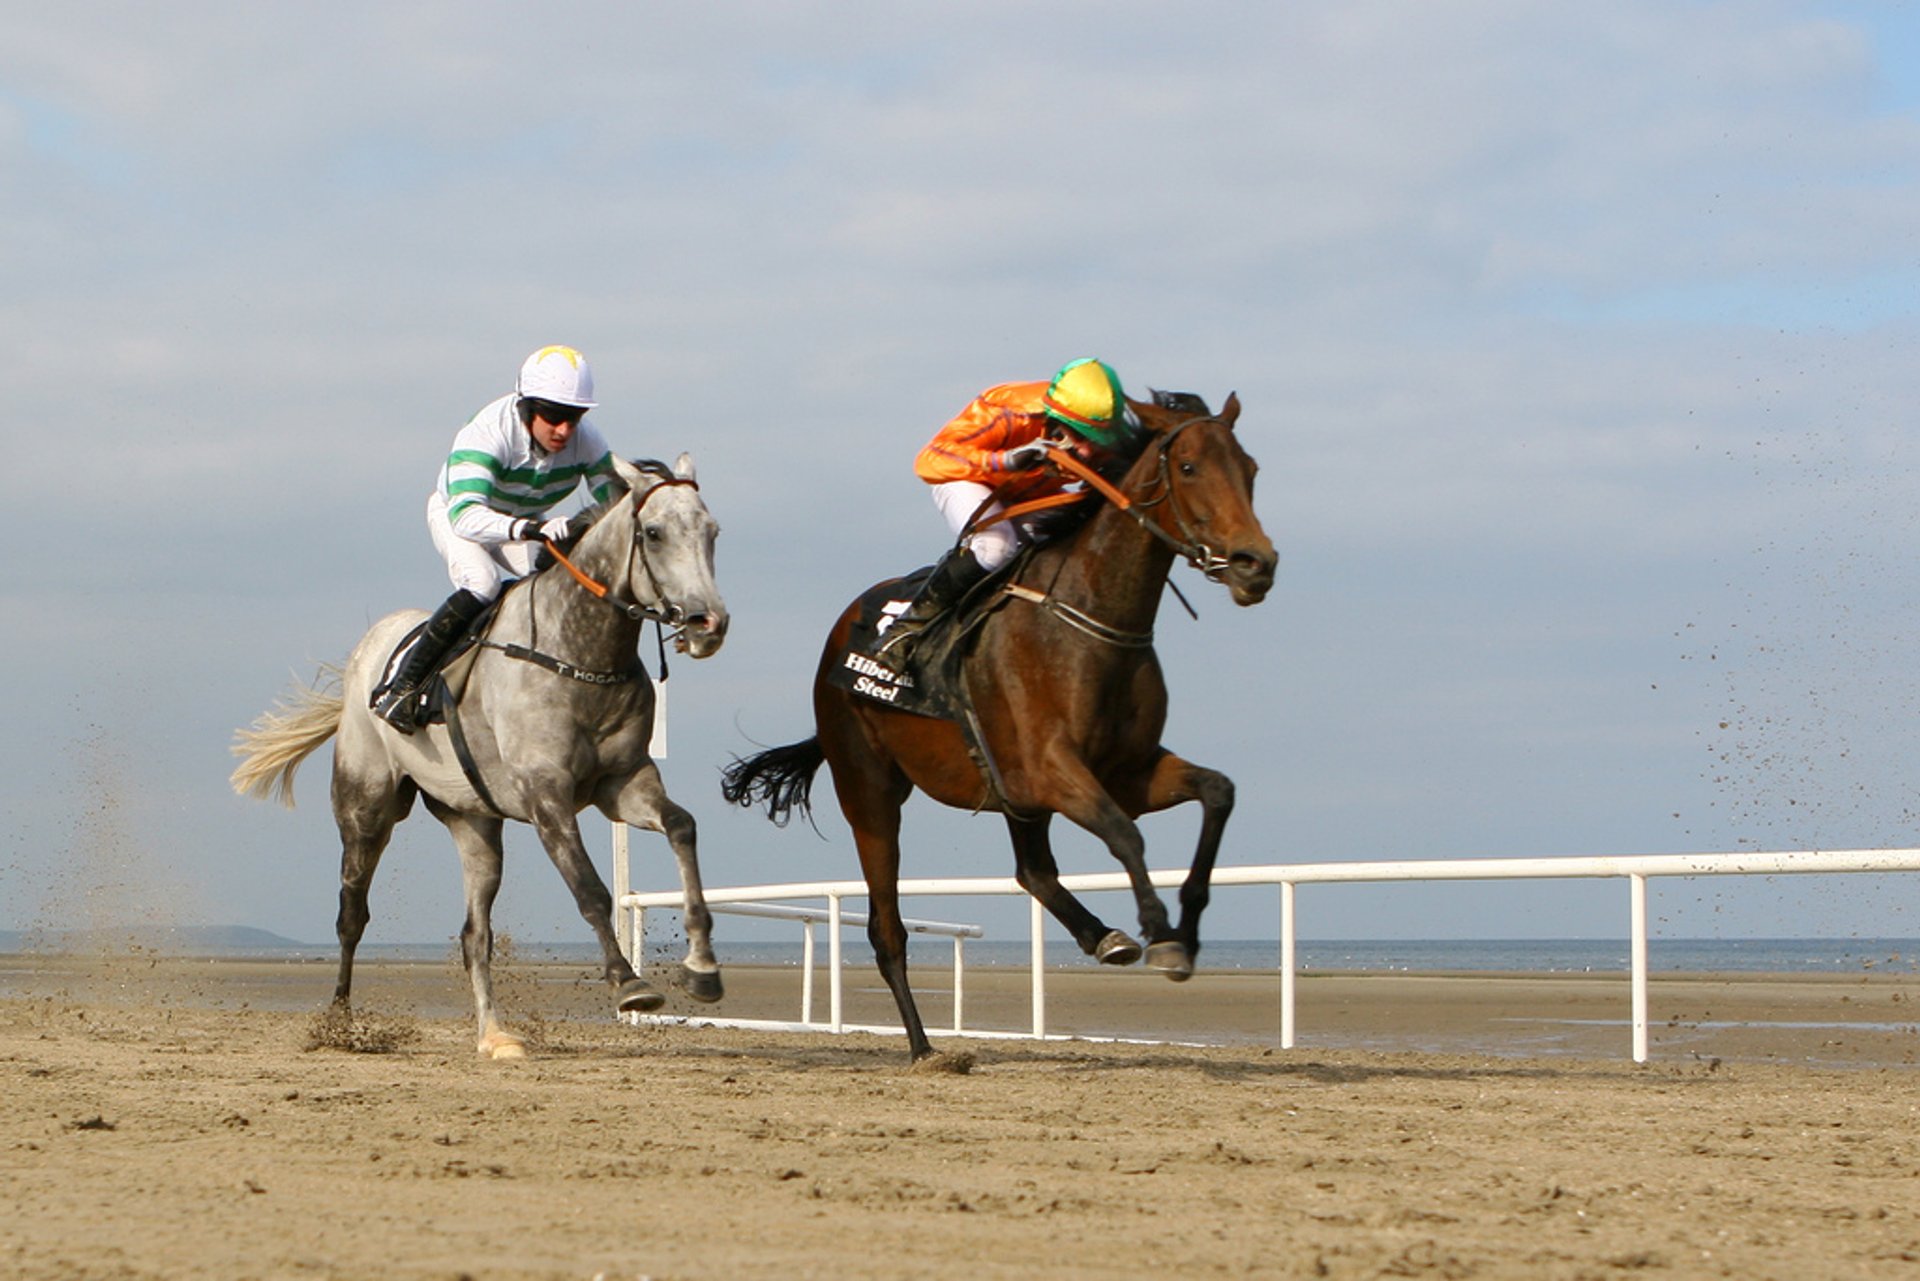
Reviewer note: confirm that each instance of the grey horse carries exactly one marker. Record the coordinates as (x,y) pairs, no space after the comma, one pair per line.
(555,715)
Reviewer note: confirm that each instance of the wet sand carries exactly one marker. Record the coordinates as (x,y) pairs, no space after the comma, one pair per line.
(1827,1020)
(172,1118)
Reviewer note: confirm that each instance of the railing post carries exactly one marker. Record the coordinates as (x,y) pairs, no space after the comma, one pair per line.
(959,983)
(806,971)
(622,914)
(1039,959)
(833,960)
(1637,895)
(1286,965)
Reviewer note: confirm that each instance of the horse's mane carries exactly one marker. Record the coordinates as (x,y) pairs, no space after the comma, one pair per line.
(617,488)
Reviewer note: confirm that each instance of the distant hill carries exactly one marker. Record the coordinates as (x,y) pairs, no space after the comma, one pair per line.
(189,940)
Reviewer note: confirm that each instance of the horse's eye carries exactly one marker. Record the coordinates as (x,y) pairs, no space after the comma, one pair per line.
(1187,469)
(653,533)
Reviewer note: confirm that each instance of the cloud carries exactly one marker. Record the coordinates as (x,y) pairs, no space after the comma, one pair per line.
(1557,330)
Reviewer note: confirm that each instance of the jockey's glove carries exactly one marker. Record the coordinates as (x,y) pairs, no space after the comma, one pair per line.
(1024,457)
(556,530)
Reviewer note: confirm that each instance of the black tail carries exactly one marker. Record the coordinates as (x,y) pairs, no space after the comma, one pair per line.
(781,778)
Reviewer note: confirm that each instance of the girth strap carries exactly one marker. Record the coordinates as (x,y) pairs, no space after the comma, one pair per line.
(468,765)
(562,667)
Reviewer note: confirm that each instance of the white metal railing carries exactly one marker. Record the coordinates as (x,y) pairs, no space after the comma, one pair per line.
(1635,869)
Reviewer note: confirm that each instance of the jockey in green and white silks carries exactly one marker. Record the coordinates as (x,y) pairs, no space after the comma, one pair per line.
(496,482)
(509,466)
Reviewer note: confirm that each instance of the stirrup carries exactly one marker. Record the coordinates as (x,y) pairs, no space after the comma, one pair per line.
(898,644)
(399,707)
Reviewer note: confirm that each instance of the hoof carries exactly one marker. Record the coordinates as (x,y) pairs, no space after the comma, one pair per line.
(502,1046)
(638,997)
(940,1063)
(1171,959)
(702,985)
(1117,949)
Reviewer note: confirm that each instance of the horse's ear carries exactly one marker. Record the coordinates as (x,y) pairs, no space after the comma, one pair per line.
(630,476)
(1230,411)
(683,466)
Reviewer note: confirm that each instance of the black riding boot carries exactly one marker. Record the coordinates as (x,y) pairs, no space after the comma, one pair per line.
(950,580)
(398,702)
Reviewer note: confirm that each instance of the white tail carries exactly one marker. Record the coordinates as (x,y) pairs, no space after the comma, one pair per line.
(283,736)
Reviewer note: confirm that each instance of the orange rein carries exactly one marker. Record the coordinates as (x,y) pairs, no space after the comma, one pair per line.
(579,575)
(1080,471)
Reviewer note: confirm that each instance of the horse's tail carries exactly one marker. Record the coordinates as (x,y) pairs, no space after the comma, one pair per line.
(283,736)
(781,778)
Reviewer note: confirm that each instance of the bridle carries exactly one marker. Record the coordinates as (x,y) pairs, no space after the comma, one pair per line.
(674,614)
(1186,544)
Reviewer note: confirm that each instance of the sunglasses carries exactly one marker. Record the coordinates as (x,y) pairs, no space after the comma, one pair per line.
(556,414)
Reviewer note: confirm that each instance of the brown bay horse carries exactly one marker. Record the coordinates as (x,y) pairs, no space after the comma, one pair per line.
(1069,699)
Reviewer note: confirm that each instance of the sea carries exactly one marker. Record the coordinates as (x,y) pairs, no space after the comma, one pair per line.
(1393,956)
(1390,956)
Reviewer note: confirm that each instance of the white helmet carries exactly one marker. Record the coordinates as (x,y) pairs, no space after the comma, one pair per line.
(557,374)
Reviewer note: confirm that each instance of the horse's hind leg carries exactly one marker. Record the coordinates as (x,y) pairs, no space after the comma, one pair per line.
(478,839)
(366,805)
(1039,875)
(871,792)
(643,803)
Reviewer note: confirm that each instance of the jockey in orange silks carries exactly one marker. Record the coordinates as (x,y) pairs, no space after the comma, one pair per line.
(990,457)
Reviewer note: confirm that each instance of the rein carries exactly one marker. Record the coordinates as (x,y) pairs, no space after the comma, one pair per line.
(1195,552)
(601,592)
(1190,548)
(637,612)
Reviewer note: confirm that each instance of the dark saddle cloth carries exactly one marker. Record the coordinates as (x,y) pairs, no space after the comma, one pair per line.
(931,687)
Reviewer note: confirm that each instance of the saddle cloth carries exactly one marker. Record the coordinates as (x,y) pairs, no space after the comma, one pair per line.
(931,687)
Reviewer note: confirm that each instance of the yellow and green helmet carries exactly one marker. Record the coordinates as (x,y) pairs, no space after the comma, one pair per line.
(1085,398)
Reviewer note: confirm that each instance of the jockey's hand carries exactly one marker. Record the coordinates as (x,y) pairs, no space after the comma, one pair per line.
(1025,457)
(556,530)
(529,531)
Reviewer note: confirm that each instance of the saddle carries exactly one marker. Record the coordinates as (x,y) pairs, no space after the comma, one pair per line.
(444,681)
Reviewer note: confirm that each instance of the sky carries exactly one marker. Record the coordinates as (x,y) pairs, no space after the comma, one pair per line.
(1577,347)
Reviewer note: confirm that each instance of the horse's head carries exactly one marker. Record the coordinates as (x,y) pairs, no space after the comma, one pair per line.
(662,533)
(1195,483)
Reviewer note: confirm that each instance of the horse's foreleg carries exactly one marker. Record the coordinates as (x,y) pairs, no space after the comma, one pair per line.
(478,839)
(1039,875)
(1085,802)
(560,835)
(1174,782)
(643,802)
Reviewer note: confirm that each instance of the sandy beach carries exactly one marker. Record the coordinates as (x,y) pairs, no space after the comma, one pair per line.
(165,1117)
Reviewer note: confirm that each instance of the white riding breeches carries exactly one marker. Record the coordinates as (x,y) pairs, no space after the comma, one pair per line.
(478,567)
(992,545)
